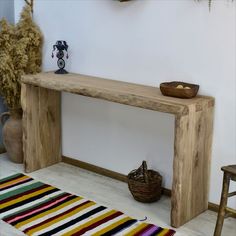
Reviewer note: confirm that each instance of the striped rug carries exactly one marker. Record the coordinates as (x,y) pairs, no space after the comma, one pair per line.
(36,208)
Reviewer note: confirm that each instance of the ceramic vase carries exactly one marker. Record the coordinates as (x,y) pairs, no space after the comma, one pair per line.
(12,134)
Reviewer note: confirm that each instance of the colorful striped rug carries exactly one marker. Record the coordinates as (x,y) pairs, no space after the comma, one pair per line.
(36,208)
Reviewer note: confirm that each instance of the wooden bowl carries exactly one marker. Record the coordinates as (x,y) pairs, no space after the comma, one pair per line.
(170,89)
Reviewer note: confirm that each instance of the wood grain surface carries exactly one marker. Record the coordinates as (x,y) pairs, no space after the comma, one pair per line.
(191,168)
(193,130)
(41,127)
(116,91)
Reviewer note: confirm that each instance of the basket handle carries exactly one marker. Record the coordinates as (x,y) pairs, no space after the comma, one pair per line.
(145,171)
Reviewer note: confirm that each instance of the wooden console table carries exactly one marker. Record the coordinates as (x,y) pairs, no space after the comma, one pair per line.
(193,130)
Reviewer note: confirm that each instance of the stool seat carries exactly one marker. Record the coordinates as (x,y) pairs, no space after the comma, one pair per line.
(229,174)
(230,170)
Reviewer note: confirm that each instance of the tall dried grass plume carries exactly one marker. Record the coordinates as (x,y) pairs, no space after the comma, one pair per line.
(21,53)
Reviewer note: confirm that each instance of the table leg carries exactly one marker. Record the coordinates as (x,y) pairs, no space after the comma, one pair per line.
(191,168)
(41,127)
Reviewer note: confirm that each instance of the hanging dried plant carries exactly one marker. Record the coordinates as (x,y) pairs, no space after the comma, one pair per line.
(27,29)
(21,53)
(210,3)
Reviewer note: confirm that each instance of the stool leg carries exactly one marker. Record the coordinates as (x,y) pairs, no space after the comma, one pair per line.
(223,204)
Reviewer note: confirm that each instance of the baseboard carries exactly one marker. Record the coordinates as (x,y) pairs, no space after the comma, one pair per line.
(122,177)
(215,207)
(2,150)
(103,171)
(96,169)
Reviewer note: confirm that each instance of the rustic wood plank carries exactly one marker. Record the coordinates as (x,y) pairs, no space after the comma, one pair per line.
(41,127)
(116,91)
(193,130)
(193,139)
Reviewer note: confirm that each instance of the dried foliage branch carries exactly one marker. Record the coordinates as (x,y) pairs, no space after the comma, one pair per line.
(13,60)
(210,3)
(21,53)
(27,29)
(31,4)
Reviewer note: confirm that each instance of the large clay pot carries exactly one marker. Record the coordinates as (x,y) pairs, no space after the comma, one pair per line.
(12,134)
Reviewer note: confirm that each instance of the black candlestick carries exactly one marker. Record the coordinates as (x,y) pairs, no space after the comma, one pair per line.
(60,46)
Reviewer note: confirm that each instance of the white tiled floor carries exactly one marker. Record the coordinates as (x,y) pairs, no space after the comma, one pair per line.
(113,194)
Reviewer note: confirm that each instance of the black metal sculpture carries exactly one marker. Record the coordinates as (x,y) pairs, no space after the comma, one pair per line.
(60,46)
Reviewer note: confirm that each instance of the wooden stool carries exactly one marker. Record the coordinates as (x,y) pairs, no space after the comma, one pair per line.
(229,174)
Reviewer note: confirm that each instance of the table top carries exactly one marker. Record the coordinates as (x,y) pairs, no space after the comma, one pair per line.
(137,95)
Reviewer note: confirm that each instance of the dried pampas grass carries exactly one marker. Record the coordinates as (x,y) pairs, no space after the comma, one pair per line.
(21,53)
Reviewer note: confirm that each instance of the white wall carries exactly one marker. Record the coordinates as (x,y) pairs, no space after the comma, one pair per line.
(144,42)
(7,10)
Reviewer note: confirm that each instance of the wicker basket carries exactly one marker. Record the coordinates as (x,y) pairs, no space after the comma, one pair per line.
(170,89)
(144,184)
